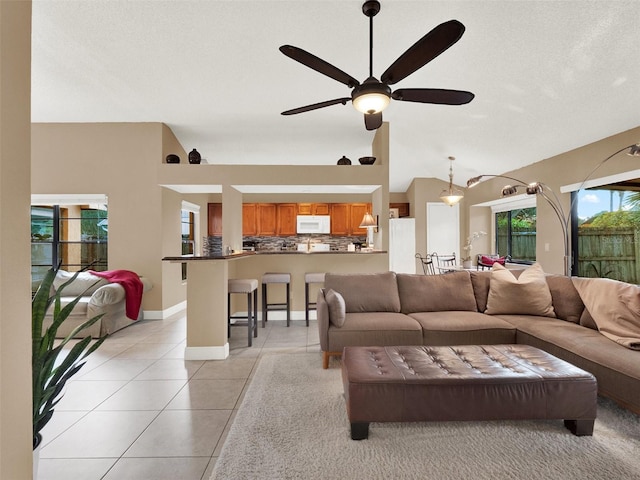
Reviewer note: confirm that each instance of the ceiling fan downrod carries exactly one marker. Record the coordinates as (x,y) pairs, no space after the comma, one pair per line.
(371,8)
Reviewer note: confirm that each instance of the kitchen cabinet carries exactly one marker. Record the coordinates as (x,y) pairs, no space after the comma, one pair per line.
(403,209)
(314,209)
(357,211)
(340,219)
(214,219)
(249,219)
(286,219)
(267,219)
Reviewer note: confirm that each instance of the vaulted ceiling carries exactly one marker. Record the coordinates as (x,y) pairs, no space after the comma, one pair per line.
(548,76)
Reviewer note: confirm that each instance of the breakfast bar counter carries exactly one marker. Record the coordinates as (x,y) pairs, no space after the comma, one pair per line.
(207,278)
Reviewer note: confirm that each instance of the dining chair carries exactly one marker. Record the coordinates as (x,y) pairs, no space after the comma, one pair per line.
(444,261)
(427,264)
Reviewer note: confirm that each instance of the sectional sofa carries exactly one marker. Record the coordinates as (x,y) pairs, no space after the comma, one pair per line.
(475,308)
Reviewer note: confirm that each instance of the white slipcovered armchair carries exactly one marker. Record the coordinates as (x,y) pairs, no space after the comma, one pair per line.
(98,297)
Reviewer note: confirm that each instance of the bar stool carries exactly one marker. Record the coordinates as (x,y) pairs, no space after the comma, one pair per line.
(308,305)
(267,279)
(248,286)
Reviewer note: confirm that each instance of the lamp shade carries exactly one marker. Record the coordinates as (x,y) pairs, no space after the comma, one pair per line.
(368,221)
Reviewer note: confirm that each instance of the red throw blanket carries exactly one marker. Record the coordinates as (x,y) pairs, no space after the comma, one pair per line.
(132,288)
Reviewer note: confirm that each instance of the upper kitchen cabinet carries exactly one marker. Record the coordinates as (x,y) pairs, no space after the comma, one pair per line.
(267,219)
(249,219)
(357,211)
(346,218)
(403,209)
(286,219)
(214,219)
(340,219)
(314,209)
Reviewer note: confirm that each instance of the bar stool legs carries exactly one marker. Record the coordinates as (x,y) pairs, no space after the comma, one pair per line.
(250,288)
(267,279)
(308,304)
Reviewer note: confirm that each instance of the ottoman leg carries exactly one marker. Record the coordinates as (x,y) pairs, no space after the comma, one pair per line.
(580,427)
(359,431)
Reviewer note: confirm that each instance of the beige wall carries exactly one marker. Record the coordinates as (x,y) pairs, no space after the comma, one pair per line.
(118,160)
(16,457)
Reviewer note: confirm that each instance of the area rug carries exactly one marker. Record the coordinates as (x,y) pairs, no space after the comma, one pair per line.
(292,424)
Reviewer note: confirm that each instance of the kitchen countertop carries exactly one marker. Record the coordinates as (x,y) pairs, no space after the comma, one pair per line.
(183,258)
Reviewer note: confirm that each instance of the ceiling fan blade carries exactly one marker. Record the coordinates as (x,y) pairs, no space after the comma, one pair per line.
(423,51)
(433,95)
(318,65)
(315,106)
(373,121)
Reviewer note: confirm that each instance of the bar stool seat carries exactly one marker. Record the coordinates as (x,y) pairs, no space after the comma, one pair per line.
(248,286)
(271,278)
(314,277)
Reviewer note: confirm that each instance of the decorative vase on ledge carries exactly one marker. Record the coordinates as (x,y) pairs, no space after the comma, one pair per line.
(194,157)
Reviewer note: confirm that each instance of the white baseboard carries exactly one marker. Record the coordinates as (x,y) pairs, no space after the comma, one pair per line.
(206,353)
(166,313)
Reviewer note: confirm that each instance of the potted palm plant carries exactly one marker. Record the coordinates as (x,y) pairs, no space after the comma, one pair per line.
(52,365)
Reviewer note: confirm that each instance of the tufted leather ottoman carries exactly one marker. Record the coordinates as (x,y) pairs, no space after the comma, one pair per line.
(469,382)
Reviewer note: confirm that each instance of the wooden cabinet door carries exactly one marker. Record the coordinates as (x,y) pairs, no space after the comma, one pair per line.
(320,209)
(340,219)
(403,209)
(286,219)
(305,209)
(357,211)
(249,219)
(214,219)
(267,219)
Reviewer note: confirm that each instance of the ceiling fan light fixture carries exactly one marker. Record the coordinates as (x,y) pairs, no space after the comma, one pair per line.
(371,97)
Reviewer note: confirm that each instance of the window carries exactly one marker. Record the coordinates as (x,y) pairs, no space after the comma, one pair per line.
(516,234)
(74,237)
(190,219)
(608,226)
(188,236)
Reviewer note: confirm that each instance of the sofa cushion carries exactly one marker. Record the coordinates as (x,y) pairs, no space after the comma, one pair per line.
(436,293)
(528,294)
(84,284)
(366,292)
(567,303)
(375,328)
(586,320)
(336,305)
(463,328)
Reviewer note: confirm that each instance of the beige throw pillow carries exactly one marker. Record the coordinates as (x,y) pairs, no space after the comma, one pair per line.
(337,310)
(527,295)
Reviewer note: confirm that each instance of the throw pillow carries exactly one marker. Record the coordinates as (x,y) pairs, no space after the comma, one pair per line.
(527,295)
(486,260)
(337,310)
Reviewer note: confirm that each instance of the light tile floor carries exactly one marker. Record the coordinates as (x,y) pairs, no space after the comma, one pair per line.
(138,410)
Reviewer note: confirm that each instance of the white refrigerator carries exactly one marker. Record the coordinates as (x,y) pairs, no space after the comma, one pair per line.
(402,245)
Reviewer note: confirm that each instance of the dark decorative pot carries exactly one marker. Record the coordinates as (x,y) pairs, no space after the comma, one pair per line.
(367,160)
(173,158)
(344,161)
(194,156)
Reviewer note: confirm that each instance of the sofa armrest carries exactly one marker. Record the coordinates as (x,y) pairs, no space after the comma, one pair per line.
(322,312)
(109,294)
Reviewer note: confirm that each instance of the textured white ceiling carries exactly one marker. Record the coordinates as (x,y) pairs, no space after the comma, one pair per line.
(548,76)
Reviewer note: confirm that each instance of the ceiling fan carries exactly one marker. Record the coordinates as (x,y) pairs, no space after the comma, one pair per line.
(372,96)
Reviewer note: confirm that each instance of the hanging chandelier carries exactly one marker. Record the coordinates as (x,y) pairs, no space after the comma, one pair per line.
(451,195)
